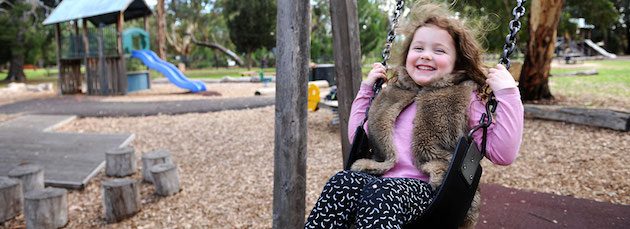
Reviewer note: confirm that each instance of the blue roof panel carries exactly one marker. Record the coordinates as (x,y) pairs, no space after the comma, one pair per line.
(97,11)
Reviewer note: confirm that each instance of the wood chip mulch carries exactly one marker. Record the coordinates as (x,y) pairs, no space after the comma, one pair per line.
(225,164)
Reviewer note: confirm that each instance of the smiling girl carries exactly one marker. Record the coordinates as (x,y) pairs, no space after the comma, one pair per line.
(434,97)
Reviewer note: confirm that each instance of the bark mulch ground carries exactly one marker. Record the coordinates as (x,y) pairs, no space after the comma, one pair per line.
(225,162)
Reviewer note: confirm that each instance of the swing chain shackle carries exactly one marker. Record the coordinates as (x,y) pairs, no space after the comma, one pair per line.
(510,39)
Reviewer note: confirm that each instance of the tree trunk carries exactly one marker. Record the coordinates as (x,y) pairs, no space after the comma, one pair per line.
(161,30)
(16,68)
(543,24)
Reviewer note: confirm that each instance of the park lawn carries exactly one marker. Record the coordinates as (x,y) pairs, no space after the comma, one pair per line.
(218,73)
(613,79)
(33,76)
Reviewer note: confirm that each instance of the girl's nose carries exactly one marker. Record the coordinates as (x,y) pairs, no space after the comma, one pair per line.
(425,56)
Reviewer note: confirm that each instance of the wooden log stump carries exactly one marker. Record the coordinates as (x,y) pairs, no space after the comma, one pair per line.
(166,179)
(46,208)
(612,119)
(31,176)
(10,198)
(121,199)
(150,159)
(120,162)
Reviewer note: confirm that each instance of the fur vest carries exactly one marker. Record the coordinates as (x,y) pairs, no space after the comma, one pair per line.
(441,119)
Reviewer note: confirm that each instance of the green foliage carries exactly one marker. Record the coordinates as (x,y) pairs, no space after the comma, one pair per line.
(23,36)
(373,27)
(252,24)
(321,32)
(601,13)
(492,19)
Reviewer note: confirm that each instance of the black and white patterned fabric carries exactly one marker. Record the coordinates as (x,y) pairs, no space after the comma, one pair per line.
(367,201)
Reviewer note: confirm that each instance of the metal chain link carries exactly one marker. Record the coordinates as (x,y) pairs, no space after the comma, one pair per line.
(392,31)
(510,39)
(508,48)
(391,35)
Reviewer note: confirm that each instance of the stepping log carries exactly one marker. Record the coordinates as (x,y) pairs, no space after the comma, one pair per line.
(10,198)
(616,120)
(165,179)
(31,176)
(150,159)
(46,208)
(121,199)
(120,162)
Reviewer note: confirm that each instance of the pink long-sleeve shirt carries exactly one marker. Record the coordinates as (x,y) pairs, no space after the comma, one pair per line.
(503,141)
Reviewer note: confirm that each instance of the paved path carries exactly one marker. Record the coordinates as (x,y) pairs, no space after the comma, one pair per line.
(85,106)
(69,160)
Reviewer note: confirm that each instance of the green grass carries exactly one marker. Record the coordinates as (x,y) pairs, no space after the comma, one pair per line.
(33,76)
(613,79)
(216,73)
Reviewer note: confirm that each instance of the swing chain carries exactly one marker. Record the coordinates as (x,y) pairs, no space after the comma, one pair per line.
(510,39)
(392,31)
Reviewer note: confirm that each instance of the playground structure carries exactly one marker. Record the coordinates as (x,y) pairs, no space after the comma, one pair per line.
(103,49)
(583,46)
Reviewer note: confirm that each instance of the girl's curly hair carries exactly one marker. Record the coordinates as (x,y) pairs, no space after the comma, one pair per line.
(469,51)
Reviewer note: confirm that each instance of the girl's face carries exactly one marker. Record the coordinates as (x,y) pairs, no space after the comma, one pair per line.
(431,55)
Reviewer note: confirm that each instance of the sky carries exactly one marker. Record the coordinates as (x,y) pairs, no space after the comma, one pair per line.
(151,3)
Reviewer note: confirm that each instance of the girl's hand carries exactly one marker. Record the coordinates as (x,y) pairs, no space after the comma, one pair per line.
(500,78)
(378,72)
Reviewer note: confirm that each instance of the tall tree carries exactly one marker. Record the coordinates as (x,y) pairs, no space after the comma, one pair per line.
(183,19)
(493,16)
(373,27)
(623,25)
(321,32)
(252,25)
(22,31)
(161,30)
(543,24)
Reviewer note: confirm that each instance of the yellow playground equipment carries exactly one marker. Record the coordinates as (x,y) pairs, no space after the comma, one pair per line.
(313,97)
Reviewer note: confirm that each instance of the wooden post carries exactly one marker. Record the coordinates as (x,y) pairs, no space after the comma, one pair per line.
(150,159)
(347,52)
(10,198)
(165,179)
(58,49)
(293,42)
(146,23)
(46,208)
(120,162)
(121,199)
(86,56)
(31,177)
(121,80)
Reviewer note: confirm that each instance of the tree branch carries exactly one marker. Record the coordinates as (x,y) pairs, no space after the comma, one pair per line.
(228,52)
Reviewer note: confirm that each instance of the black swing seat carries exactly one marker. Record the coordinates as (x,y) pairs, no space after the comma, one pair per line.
(454,197)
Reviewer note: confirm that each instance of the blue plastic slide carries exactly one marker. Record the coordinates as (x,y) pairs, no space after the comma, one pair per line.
(150,59)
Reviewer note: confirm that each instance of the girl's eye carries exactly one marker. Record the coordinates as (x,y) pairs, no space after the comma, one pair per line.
(418,48)
(440,51)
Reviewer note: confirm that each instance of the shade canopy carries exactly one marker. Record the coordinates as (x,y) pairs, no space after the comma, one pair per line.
(97,11)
